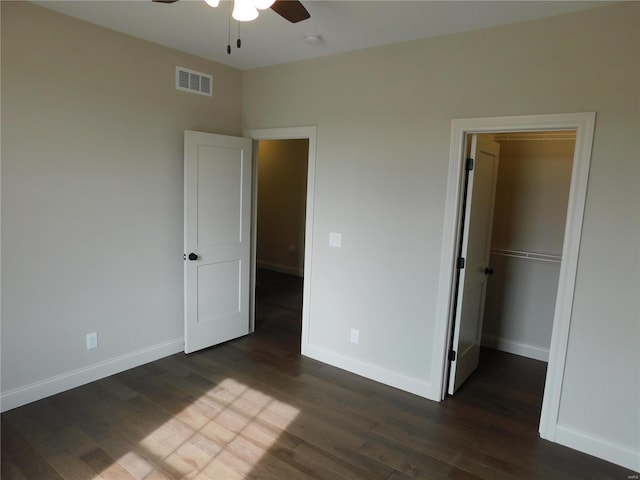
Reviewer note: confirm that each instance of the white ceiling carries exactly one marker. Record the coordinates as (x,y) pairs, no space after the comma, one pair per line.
(192,26)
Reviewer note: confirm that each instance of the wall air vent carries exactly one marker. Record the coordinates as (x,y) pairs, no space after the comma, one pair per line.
(194,82)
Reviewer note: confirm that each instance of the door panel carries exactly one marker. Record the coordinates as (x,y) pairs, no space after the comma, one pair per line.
(217,230)
(219,290)
(469,333)
(219,195)
(476,243)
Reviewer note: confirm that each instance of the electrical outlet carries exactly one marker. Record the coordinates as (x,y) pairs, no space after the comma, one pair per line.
(92,340)
(355,335)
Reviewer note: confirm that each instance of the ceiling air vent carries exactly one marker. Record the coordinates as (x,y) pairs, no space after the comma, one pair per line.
(194,82)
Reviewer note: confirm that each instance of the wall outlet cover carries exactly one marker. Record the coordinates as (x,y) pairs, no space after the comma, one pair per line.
(92,340)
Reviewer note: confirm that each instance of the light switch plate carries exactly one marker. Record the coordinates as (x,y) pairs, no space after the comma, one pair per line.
(355,335)
(335,239)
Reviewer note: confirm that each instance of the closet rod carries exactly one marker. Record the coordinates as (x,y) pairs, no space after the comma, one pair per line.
(529,255)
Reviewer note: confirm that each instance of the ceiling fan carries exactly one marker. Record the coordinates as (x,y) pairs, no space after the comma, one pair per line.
(291,10)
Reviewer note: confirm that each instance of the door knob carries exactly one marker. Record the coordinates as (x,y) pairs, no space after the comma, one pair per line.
(488,271)
(193,256)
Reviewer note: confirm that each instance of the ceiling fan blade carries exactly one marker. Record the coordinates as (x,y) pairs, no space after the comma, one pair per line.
(164,1)
(291,10)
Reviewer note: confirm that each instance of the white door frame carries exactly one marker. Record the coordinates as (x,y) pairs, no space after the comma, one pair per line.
(289,133)
(583,124)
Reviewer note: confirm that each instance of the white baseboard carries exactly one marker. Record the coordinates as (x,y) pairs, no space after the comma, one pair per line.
(509,346)
(598,447)
(30,393)
(372,372)
(278,267)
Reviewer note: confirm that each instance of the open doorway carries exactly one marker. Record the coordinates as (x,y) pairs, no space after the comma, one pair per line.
(282,261)
(583,124)
(531,200)
(512,230)
(520,268)
(280,239)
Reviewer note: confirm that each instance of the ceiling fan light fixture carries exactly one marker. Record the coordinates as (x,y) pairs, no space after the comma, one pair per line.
(244,11)
(212,3)
(263,4)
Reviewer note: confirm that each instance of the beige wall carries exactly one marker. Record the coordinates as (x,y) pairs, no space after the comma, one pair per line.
(92,162)
(532,194)
(282,190)
(383,118)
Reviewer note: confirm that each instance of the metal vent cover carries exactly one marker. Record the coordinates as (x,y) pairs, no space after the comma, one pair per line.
(195,82)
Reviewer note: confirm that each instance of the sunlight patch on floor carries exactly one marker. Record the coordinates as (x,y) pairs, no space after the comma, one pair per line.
(223,434)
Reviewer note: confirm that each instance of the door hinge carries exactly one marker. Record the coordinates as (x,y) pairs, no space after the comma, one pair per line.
(469,165)
(461,262)
(452,355)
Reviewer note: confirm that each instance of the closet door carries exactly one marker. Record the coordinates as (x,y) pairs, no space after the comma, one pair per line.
(474,264)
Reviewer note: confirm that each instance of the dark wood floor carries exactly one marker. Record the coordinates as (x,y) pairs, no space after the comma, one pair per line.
(253,408)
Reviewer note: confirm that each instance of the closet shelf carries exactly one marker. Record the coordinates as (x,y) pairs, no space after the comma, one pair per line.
(529,255)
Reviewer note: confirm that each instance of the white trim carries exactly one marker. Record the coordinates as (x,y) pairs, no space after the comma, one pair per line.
(517,348)
(254,236)
(44,388)
(373,372)
(583,124)
(278,267)
(583,442)
(311,134)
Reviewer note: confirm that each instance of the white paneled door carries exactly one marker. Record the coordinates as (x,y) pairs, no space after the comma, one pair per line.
(474,267)
(217,239)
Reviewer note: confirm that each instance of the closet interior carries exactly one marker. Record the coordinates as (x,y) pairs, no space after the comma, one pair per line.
(531,199)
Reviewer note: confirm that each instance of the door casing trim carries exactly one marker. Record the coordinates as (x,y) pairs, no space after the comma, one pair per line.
(583,124)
